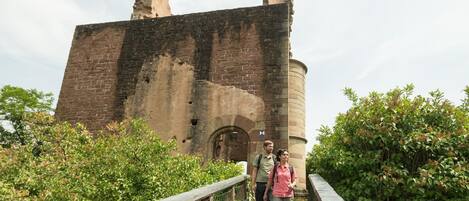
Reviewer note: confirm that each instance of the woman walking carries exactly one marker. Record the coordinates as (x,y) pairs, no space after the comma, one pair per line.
(282,179)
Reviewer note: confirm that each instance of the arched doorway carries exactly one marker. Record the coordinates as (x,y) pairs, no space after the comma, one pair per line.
(230,144)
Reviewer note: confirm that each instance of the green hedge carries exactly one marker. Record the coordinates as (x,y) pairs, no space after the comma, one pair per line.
(126,162)
(396,146)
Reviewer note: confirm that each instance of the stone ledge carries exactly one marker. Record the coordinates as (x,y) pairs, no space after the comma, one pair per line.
(321,190)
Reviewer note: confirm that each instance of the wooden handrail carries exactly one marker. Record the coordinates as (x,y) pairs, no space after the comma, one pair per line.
(208,191)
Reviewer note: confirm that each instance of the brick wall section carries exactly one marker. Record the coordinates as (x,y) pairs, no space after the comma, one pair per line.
(253,55)
(88,91)
(246,48)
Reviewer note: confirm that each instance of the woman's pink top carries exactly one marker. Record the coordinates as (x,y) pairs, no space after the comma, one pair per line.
(281,181)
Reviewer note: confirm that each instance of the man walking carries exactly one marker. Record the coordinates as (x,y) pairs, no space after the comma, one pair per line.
(263,164)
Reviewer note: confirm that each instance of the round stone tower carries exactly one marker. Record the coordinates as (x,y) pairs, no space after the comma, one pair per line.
(296,119)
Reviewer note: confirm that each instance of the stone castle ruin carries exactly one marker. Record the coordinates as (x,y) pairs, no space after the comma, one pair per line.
(218,83)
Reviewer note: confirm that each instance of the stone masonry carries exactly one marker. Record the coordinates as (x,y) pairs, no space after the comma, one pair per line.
(215,82)
(144,9)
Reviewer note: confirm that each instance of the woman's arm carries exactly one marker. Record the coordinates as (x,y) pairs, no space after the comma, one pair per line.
(293,184)
(267,188)
(295,180)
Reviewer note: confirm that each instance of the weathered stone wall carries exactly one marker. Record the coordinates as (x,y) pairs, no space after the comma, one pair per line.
(106,76)
(220,106)
(89,88)
(190,77)
(162,93)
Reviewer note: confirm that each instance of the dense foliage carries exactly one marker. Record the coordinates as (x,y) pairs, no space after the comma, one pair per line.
(396,146)
(127,161)
(16,104)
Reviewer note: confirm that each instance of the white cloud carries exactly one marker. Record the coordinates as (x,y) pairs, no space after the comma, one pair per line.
(378,45)
(37,30)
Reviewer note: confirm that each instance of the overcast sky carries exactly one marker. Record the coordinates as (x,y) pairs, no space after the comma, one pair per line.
(363,44)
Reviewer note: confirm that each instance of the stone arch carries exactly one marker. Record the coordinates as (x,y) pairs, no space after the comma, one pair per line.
(248,125)
(229,143)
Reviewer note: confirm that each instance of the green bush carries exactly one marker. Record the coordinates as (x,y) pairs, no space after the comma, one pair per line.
(395,146)
(127,161)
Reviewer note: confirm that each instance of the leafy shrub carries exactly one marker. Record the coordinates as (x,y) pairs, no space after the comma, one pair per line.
(127,161)
(395,146)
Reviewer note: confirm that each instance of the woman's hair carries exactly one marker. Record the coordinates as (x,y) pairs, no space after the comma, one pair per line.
(280,152)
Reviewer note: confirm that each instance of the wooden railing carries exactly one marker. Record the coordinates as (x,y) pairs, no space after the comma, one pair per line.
(234,189)
(320,190)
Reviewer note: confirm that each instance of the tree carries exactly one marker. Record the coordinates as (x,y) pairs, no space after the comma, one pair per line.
(465,102)
(127,161)
(395,146)
(16,104)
